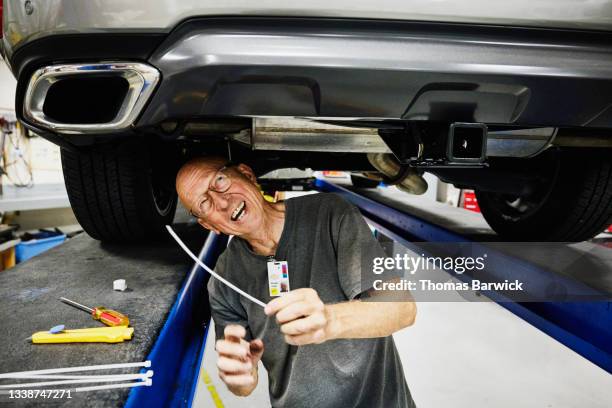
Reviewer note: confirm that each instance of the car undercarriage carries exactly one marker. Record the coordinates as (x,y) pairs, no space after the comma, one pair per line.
(522,115)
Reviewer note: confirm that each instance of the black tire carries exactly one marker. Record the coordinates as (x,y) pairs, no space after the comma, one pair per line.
(363,182)
(120,192)
(573,206)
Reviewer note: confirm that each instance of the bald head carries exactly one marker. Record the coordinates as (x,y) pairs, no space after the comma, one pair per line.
(194,170)
(237,207)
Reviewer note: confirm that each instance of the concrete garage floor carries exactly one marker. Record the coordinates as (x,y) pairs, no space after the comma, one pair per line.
(467,355)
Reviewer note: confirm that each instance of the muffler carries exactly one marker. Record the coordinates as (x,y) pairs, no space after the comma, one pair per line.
(405,178)
(88,98)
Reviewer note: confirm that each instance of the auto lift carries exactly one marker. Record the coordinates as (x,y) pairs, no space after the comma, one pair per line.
(168,305)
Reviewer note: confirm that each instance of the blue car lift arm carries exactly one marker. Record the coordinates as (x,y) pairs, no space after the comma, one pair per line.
(585,327)
(176,355)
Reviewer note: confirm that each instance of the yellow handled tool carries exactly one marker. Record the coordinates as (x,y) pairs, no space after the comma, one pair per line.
(115,334)
(107,316)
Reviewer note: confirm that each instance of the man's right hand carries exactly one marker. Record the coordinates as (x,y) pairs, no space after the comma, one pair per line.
(238,358)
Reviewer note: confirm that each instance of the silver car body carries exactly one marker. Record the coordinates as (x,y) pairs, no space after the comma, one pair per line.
(485,94)
(26,20)
(490,62)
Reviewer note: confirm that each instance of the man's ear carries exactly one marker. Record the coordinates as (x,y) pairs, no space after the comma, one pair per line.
(208,226)
(247,172)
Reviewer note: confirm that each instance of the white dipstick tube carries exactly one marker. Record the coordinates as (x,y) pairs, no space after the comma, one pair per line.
(149,373)
(146,364)
(71,381)
(146,383)
(213,273)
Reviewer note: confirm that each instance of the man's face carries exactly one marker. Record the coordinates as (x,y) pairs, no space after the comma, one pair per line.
(237,211)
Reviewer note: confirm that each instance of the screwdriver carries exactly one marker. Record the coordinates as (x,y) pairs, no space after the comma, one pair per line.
(107,316)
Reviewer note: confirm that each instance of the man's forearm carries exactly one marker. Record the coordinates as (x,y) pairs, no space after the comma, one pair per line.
(366,319)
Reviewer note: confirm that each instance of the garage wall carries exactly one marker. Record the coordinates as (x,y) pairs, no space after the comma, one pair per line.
(7,88)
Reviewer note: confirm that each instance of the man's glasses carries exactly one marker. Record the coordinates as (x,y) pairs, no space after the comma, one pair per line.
(220,183)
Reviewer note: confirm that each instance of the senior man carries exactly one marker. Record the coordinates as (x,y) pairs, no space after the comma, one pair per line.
(322,343)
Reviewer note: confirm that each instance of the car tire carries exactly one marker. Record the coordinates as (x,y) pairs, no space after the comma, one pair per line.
(116,192)
(363,182)
(575,205)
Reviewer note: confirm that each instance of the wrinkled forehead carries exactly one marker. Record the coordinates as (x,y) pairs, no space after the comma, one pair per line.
(193,176)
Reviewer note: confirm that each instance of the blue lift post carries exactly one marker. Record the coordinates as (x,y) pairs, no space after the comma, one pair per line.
(585,327)
(177,353)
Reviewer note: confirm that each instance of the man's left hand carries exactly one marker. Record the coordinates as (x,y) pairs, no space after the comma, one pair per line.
(302,316)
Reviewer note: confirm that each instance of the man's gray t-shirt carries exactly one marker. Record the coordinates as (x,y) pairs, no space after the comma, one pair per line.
(323,241)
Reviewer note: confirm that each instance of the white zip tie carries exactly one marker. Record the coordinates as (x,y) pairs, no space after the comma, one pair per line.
(213,273)
(149,373)
(72,381)
(146,364)
(146,383)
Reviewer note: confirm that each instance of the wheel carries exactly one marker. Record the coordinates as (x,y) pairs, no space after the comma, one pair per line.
(363,182)
(121,192)
(573,205)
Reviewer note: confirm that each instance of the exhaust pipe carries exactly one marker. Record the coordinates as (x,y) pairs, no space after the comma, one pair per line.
(405,178)
(88,98)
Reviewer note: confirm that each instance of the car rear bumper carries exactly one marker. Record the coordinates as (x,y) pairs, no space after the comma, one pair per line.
(365,69)
(37,19)
(335,69)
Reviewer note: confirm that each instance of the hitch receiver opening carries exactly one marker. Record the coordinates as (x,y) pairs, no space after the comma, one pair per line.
(467,143)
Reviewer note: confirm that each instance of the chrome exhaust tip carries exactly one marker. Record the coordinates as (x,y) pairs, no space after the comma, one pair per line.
(88,98)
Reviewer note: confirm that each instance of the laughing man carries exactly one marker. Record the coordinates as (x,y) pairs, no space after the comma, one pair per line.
(325,342)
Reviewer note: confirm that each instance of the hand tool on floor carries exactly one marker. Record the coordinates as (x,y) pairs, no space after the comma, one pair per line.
(107,316)
(115,334)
